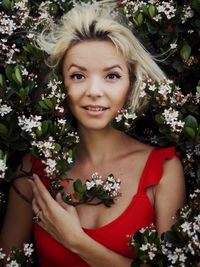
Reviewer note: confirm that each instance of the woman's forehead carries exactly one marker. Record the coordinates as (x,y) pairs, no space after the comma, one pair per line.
(103,53)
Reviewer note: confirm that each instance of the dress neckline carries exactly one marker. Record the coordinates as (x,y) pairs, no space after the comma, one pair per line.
(137,194)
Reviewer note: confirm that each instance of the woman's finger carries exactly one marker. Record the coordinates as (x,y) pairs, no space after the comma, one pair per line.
(41,194)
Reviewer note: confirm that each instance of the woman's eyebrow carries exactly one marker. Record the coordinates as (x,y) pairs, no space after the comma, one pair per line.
(77,66)
(83,68)
(113,67)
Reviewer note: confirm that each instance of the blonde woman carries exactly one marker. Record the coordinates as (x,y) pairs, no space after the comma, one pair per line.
(102,64)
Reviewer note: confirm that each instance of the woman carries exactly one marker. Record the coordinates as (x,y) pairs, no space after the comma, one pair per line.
(102,65)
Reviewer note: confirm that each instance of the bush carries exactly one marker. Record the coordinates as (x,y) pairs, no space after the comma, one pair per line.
(32,108)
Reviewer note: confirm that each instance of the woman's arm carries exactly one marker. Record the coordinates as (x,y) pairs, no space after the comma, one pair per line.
(170,195)
(18,222)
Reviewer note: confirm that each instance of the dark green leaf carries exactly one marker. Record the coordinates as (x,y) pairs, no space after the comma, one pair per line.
(171,237)
(196,5)
(152,10)
(78,187)
(185,51)
(3,129)
(191,121)
(18,75)
(189,131)
(7,5)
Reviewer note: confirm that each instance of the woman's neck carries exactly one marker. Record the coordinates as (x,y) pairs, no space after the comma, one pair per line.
(98,146)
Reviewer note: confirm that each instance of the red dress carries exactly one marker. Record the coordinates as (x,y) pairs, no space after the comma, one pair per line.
(113,235)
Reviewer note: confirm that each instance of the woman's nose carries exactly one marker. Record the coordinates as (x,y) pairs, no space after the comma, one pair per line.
(94,88)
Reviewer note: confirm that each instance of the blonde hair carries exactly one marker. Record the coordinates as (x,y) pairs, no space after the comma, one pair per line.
(98,22)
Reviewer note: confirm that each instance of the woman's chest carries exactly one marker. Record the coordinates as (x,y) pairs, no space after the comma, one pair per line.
(93,215)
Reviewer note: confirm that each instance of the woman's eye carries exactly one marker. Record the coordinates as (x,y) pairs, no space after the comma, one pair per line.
(113,76)
(77,76)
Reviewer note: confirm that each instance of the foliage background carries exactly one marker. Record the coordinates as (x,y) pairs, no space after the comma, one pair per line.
(172,34)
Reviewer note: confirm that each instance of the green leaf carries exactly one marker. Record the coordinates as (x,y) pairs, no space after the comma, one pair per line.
(2,81)
(198,87)
(43,105)
(152,10)
(189,131)
(144,9)
(53,9)
(49,103)
(171,237)
(138,19)
(3,129)
(78,187)
(185,51)
(7,5)
(159,119)
(57,147)
(191,122)
(9,71)
(18,75)
(196,5)
(198,174)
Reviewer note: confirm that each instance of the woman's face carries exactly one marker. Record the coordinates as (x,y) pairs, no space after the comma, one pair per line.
(97,80)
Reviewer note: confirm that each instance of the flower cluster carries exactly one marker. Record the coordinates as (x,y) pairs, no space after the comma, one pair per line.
(18,257)
(171,118)
(94,191)
(3,167)
(110,185)
(156,9)
(187,13)
(124,121)
(4,109)
(30,124)
(55,95)
(178,247)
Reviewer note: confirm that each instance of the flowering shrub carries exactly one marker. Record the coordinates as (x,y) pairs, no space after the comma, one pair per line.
(18,257)
(33,115)
(178,247)
(103,190)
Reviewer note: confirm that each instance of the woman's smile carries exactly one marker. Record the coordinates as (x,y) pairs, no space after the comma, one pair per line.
(95,110)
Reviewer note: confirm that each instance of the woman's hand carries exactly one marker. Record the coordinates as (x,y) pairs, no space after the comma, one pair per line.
(59,219)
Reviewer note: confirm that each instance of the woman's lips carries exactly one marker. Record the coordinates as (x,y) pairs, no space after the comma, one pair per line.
(95,110)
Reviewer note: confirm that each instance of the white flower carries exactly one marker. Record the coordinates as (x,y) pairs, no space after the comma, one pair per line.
(3,168)
(186,226)
(171,118)
(152,87)
(13,263)
(144,247)
(28,124)
(157,18)
(45,147)
(4,109)
(69,160)
(62,121)
(90,184)
(28,249)
(173,46)
(51,166)
(187,13)
(118,118)
(2,255)
(142,230)
(151,255)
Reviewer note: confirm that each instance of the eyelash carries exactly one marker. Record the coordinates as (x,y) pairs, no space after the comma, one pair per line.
(75,75)
(114,74)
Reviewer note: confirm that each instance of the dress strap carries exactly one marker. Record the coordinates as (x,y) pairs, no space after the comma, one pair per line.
(153,169)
